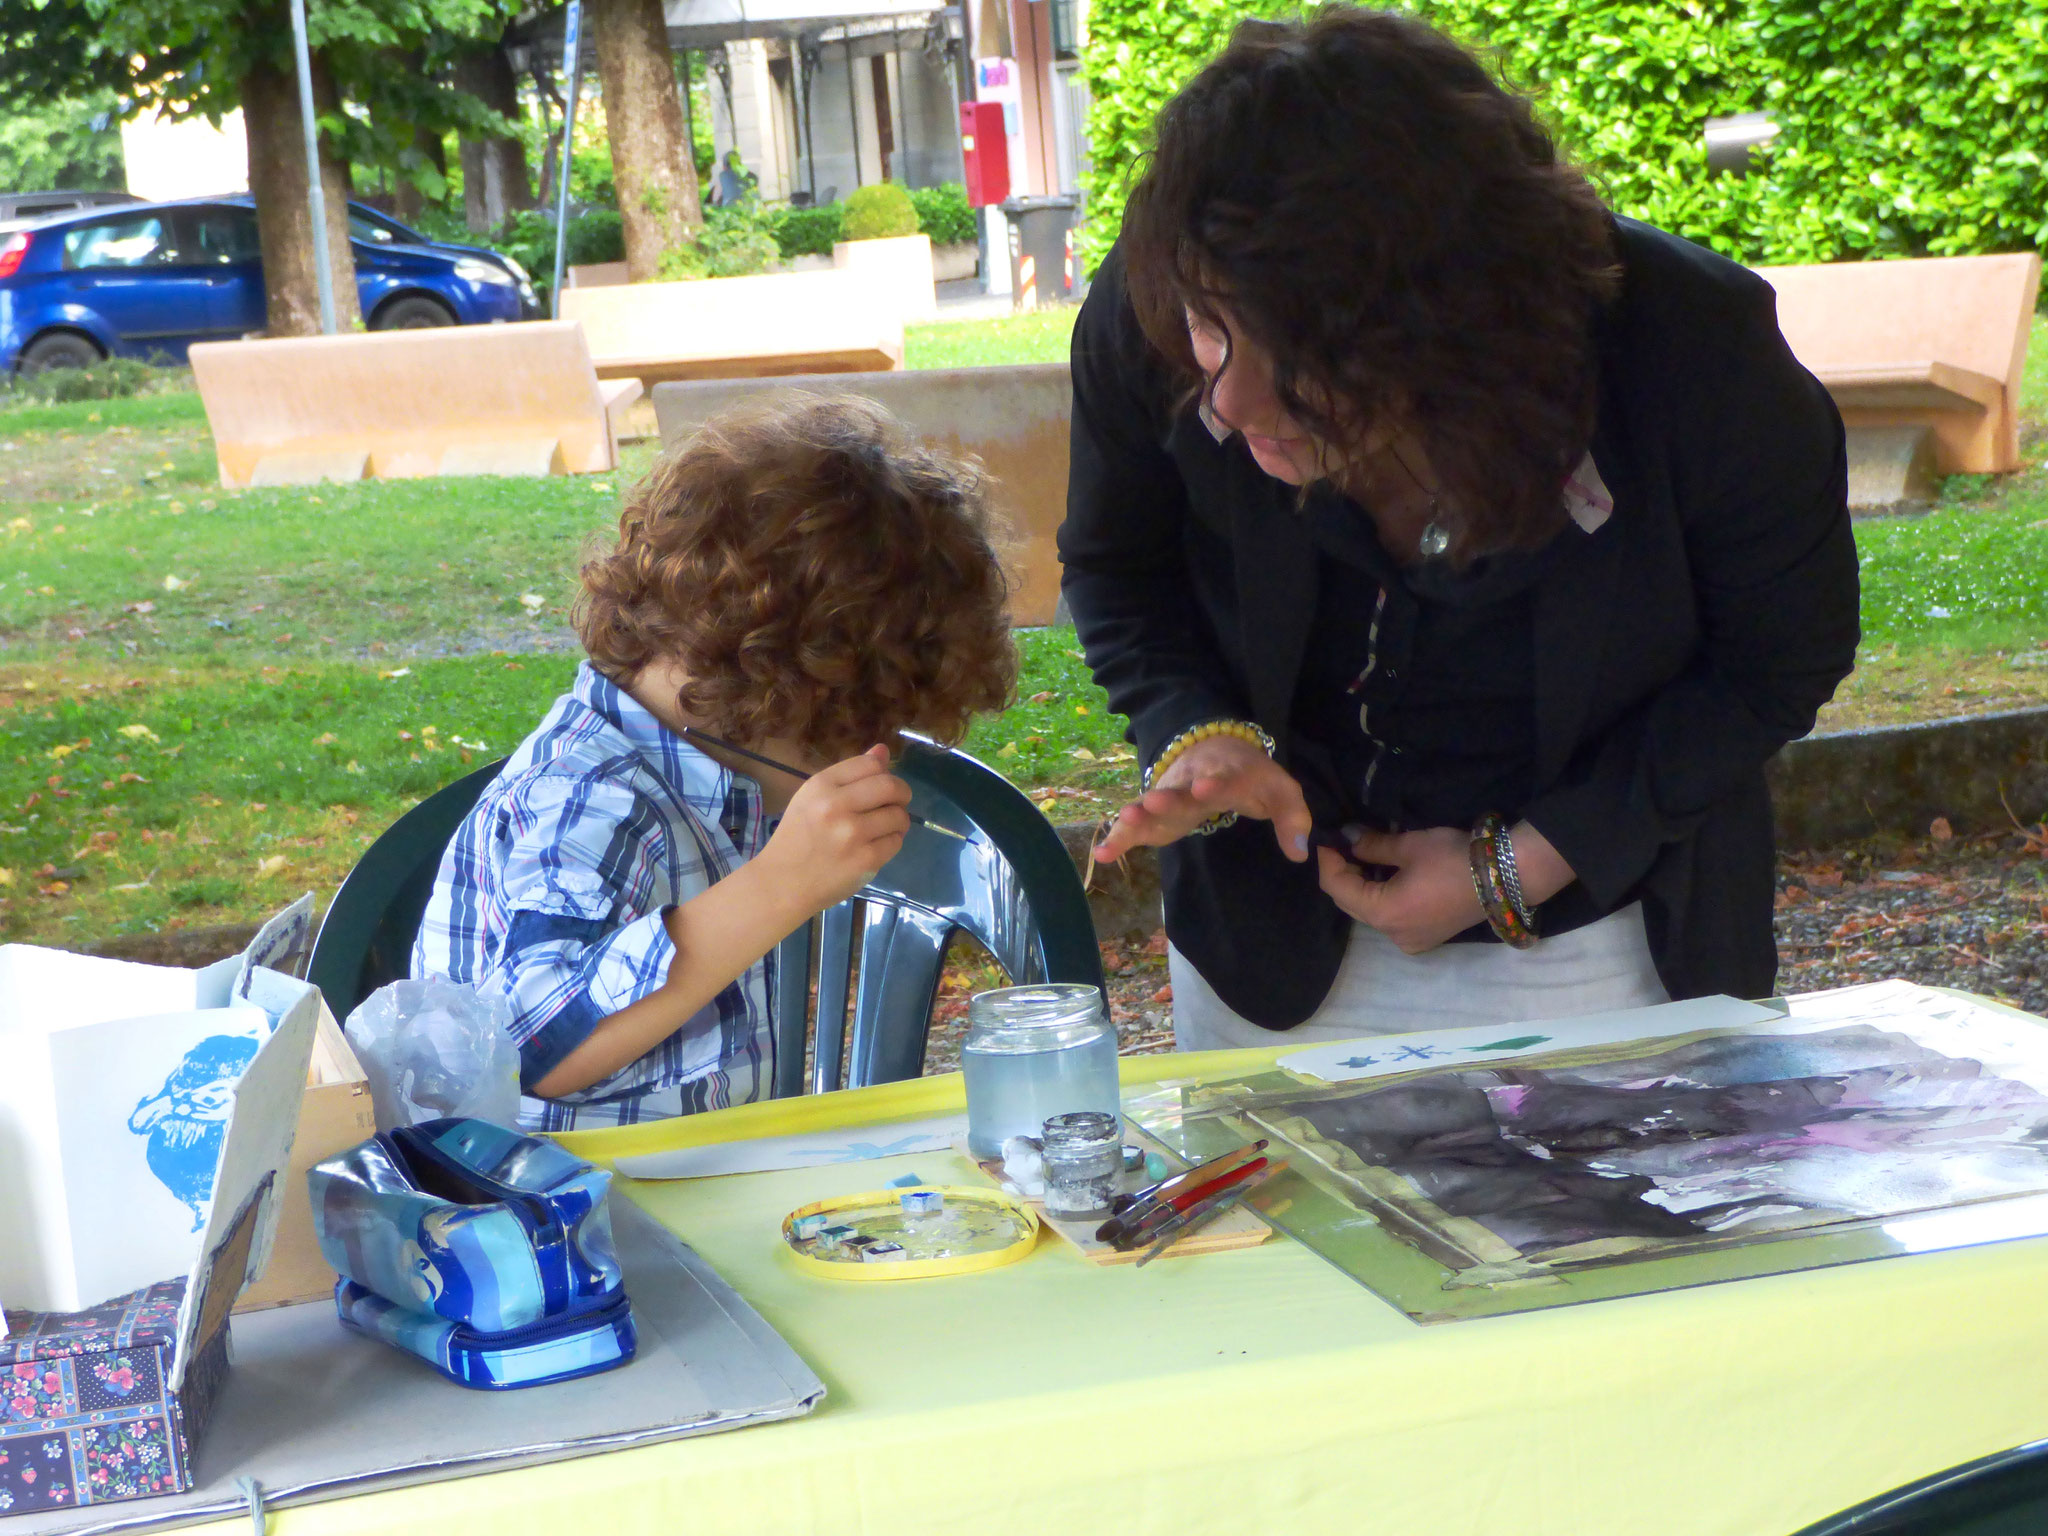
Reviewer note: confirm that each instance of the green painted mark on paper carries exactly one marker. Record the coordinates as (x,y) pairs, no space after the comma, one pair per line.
(1519,1043)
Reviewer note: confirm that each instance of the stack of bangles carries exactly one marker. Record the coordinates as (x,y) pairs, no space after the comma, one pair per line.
(1244,730)
(1499,884)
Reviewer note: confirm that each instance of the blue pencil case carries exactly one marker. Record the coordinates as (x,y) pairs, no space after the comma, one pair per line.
(552,1350)
(484,1252)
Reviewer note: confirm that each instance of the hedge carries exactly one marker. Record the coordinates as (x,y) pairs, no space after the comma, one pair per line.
(942,213)
(1907,127)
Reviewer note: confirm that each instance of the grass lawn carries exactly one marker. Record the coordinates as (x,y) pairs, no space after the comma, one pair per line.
(210,701)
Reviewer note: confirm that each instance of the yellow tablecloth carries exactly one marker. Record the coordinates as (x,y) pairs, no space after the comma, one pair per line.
(1263,1391)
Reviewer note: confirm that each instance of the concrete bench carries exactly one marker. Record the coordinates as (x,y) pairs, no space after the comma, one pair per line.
(1013,419)
(452,400)
(738,327)
(600,274)
(1923,358)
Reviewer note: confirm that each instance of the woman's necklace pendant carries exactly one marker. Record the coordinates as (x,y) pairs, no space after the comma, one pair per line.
(1433,541)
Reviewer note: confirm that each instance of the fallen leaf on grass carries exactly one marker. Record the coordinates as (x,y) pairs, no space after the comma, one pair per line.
(6,875)
(1082,754)
(1940,830)
(1040,698)
(137,885)
(175,584)
(55,888)
(1164,994)
(145,606)
(64,749)
(137,732)
(327,739)
(396,672)
(132,778)
(273,865)
(1007,749)
(532,602)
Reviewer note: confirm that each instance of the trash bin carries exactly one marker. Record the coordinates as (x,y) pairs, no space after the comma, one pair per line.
(1042,267)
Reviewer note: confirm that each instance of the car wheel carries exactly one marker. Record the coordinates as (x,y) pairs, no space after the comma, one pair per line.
(60,349)
(412,313)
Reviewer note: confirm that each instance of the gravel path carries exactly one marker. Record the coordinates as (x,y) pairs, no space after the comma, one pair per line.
(1966,913)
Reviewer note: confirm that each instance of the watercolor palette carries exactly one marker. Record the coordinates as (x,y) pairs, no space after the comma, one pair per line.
(906,1234)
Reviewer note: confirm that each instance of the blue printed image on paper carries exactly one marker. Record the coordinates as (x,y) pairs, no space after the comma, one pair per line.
(185,1122)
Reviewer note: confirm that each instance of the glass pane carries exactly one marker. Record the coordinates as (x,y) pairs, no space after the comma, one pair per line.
(360,228)
(224,236)
(134,242)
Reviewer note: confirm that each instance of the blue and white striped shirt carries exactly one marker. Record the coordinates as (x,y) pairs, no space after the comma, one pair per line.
(551,895)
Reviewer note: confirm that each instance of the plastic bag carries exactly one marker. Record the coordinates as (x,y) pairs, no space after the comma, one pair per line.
(434,1048)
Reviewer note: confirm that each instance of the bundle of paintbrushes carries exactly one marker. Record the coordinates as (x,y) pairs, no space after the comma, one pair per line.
(1156,1216)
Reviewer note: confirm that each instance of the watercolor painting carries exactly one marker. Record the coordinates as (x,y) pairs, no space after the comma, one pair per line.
(1724,1139)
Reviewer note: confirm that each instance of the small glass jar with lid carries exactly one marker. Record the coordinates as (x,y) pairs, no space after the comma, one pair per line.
(1032,1053)
(1084,1161)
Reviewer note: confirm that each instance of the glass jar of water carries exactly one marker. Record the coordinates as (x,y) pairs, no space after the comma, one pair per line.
(1032,1053)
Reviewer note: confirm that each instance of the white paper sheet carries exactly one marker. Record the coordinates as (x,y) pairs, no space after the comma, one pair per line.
(815,1149)
(119,1099)
(1344,1061)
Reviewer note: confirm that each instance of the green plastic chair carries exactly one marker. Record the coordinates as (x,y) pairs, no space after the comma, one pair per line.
(365,940)
(2001,1495)
(985,862)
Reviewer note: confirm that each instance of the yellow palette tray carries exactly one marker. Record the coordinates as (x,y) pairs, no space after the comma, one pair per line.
(989,1230)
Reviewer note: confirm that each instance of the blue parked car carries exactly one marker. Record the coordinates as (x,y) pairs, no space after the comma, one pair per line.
(148,280)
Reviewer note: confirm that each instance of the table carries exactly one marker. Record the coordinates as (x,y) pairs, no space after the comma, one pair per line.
(1261,1390)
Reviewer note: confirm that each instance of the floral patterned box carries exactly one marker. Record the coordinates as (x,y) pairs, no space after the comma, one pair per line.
(85,1417)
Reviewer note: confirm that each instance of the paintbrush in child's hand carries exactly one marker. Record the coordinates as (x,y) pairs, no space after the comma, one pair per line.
(705,738)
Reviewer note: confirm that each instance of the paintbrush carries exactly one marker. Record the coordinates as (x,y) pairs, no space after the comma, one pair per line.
(1187,1222)
(1127,1232)
(691,733)
(1123,1205)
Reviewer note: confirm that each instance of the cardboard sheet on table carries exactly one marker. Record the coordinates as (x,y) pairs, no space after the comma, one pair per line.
(813,1149)
(313,1412)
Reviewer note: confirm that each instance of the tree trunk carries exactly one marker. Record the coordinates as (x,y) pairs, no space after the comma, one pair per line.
(277,175)
(643,118)
(494,181)
(408,202)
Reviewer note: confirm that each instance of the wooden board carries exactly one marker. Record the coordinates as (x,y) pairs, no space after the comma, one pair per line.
(1237,1227)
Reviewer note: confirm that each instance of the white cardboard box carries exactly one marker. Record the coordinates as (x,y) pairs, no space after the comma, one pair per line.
(141,1107)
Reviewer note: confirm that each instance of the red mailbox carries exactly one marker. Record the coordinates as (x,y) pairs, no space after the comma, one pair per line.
(985,146)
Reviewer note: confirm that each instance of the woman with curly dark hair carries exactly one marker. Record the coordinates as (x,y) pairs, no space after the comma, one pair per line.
(1483,543)
(798,582)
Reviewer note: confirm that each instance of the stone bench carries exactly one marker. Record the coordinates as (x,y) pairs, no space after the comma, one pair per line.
(1923,358)
(1014,419)
(517,399)
(737,327)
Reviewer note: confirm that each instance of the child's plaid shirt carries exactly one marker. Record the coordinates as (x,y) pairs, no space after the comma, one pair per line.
(551,896)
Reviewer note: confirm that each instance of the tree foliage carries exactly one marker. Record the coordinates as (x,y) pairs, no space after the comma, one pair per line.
(70,142)
(1908,127)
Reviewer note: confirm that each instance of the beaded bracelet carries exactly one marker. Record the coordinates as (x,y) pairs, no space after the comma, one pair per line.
(1244,730)
(1508,924)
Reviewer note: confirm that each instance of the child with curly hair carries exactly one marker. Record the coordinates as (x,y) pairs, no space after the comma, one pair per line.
(800,581)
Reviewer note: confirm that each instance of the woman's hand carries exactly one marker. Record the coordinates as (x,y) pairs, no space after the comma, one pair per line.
(1431,895)
(1216,774)
(843,824)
